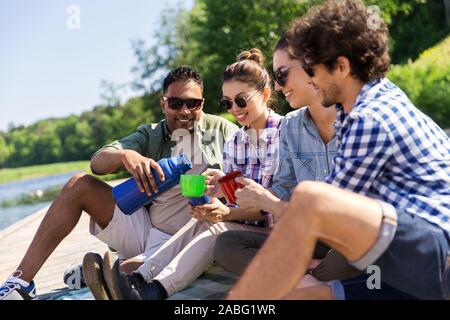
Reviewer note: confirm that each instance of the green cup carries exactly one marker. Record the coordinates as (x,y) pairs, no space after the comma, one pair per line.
(192,185)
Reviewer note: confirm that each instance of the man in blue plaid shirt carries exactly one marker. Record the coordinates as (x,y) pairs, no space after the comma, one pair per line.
(387,202)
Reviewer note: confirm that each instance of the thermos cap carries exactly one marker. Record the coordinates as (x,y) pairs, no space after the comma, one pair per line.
(183,163)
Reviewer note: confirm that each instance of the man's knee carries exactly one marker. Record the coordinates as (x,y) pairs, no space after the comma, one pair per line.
(79,184)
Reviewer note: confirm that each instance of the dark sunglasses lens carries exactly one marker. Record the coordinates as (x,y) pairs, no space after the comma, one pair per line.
(280,77)
(175,103)
(240,102)
(193,103)
(225,104)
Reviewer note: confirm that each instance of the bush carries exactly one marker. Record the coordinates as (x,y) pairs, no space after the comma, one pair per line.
(427,82)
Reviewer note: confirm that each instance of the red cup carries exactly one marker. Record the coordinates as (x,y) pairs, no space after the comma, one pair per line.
(229,186)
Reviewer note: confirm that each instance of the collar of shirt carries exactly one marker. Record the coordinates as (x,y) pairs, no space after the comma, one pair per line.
(363,95)
(166,133)
(201,124)
(309,125)
(367,93)
(340,117)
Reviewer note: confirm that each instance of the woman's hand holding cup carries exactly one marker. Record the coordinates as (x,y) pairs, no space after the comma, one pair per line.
(212,185)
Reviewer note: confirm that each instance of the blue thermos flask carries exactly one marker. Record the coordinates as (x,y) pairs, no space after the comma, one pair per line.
(127,194)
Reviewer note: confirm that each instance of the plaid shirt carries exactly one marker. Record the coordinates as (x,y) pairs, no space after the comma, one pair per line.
(391,151)
(257,159)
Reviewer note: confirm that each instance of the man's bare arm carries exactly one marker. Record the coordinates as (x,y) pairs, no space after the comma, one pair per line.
(110,160)
(107,161)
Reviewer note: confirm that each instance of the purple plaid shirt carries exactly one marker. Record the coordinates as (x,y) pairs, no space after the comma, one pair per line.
(256,158)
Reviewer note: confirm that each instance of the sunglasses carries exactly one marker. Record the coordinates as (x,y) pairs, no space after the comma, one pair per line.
(280,76)
(241,102)
(175,103)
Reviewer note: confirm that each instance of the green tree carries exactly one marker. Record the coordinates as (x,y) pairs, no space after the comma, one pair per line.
(46,146)
(80,145)
(210,36)
(427,82)
(417,29)
(21,146)
(110,92)
(4,150)
(215,31)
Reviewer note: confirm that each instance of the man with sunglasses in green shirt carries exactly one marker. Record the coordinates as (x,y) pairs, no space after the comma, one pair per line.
(185,129)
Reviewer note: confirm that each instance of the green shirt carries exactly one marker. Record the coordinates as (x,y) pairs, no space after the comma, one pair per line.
(156,141)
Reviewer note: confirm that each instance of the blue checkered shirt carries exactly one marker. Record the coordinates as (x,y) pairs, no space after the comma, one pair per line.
(257,159)
(390,150)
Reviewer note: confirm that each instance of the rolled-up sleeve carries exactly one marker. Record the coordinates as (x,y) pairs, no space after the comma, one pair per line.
(137,141)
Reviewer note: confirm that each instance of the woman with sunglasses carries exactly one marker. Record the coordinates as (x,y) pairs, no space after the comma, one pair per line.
(307,149)
(251,150)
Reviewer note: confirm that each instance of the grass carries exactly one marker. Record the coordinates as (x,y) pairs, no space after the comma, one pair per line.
(24,173)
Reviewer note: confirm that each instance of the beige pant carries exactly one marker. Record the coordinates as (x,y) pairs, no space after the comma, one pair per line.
(133,236)
(187,254)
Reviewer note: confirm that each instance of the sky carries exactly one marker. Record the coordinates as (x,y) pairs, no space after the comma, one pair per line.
(52,59)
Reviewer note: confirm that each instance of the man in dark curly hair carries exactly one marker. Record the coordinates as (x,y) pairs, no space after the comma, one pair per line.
(385,206)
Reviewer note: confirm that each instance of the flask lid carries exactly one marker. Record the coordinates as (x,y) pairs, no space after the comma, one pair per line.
(183,163)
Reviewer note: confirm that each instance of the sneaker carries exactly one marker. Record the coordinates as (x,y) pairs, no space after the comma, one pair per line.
(93,275)
(129,287)
(73,277)
(17,289)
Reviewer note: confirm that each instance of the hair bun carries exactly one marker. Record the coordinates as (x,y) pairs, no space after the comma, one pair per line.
(252,54)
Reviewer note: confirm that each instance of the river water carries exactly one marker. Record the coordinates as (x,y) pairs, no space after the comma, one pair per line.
(13,190)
